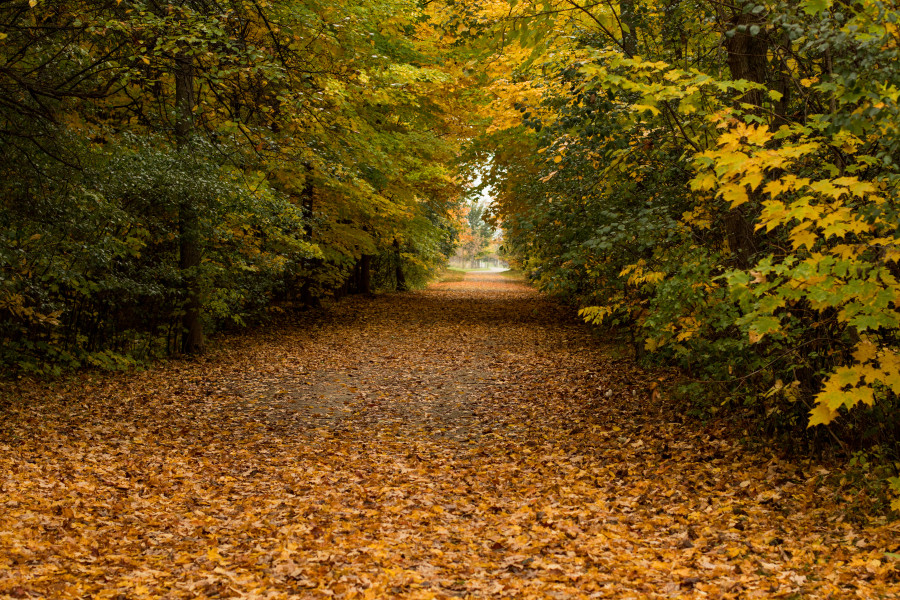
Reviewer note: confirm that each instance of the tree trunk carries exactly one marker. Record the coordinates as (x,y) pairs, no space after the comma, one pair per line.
(308,198)
(747,55)
(783,84)
(674,36)
(629,27)
(401,279)
(189,217)
(354,284)
(365,274)
(741,235)
(747,59)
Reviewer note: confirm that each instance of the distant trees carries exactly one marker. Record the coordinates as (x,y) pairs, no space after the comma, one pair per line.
(477,234)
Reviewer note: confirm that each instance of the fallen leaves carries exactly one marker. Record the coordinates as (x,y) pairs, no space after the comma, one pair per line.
(469,441)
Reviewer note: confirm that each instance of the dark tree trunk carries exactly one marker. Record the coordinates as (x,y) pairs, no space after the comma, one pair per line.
(306,297)
(629,27)
(783,83)
(365,274)
(674,36)
(747,59)
(747,55)
(401,278)
(189,217)
(343,290)
(741,235)
(308,203)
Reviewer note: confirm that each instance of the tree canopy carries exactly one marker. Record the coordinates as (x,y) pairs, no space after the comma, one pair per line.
(721,180)
(175,166)
(718,178)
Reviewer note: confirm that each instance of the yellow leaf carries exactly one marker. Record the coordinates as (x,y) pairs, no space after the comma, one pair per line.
(861,188)
(774,188)
(704,181)
(549,177)
(736,194)
(753,179)
(827,188)
(821,415)
(801,236)
(643,107)
(557,159)
(757,135)
(845,376)
(865,351)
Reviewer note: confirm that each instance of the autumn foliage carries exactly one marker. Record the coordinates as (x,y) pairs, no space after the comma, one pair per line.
(173,168)
(469,441)
(717,181)
(720,179)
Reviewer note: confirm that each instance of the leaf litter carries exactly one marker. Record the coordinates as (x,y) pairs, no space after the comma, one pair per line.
(473,440)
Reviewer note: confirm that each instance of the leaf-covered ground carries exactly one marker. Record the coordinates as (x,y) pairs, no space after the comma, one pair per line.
(469,441)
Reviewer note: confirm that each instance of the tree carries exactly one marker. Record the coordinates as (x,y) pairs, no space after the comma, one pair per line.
(477,234)
(212,156)
(701,173)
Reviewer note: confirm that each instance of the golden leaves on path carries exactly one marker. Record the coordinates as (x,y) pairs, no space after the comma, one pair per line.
(469,441)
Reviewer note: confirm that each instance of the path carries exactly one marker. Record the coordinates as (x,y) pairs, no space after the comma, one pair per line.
(469,441)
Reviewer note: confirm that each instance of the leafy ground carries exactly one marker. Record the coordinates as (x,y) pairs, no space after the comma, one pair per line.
(469,441)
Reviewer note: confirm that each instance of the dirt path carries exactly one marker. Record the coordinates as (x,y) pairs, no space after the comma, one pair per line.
(469,441)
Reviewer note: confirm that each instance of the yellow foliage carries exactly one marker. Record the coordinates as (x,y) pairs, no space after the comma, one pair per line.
(596,314)
(848,386)
(638,274)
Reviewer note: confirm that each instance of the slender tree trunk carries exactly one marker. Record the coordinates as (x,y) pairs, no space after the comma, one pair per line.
(674,37)
(401,278)
(747,59)
(783,83)
(188,218)
(308,200)
(629,27)
(354,283)
(747,55)
(365,274)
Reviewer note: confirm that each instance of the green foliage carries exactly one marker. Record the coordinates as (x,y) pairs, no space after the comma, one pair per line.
(315,134)
(728,193)
(95,260)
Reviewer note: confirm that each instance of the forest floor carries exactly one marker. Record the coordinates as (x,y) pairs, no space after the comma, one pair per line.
(469,441)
